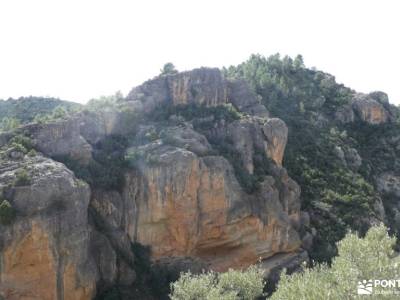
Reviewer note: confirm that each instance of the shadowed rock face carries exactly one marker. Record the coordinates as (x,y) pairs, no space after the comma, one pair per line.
(45,251)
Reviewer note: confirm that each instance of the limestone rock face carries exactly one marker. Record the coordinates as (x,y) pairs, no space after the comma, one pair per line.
(187,138)
(202,86)
(181,196)
(45,251)
(251,136)
(370,110)
(60,138)
(247,138)
(94,126)
(186,206)
(276,131)
(240,95)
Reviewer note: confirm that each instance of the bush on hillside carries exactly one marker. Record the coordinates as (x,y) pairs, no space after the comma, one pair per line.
(22,178)
(368,258)
(231,285)
(7,212)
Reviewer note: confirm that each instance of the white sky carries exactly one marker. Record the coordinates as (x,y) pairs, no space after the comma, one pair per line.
(77,50)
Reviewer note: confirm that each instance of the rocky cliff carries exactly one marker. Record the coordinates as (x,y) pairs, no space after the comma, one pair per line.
(189,171)
(45,249)
(183,193)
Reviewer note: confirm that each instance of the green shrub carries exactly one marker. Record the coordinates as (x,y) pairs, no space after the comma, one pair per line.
(8,124)
(32,153)
(7,213)
(22,141)
(108,166)
(19,148)
(368,258)
(231,285)
(22,178)
(58,113)
(152,135)
(168,69)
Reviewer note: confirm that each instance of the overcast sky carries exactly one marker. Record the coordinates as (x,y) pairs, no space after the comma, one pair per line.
(78,50)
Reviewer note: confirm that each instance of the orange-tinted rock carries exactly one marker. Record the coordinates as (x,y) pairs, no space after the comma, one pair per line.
(276,132)
(28,270)
(191,206)
(45,251)
(202,86)
(370,110)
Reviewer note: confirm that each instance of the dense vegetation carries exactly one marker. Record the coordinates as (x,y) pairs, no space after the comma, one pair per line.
(306,100)
(25,109)
(359,259)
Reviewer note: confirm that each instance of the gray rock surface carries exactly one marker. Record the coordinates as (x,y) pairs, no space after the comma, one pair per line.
(45,250)
(245,100)
(389,183)
(60,138)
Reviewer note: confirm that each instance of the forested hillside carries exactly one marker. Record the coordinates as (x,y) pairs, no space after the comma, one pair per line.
(336,154)
(25,109)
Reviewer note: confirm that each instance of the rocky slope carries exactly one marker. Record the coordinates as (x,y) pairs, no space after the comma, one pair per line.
(180,195)
(190,165)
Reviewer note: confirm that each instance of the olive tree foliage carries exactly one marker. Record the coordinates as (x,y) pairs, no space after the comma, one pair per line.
(231,285)
(368,258)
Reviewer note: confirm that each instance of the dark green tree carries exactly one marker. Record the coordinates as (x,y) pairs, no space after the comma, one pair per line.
(168,69)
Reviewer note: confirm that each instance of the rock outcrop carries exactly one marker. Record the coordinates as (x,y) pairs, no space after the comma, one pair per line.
(202,86)
(181,196)
(369,110)
(184,205)
(389,184)
(373,108)
(45,251)
(60,138)
(183,201)
(241,96)
(276,132)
